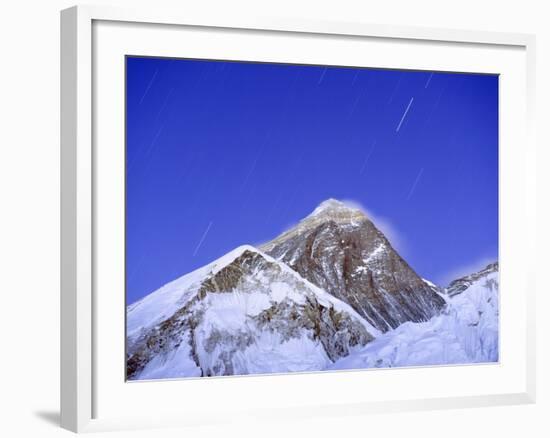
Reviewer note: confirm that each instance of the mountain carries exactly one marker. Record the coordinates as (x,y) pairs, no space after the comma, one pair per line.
(330,293)
(340,250)
(461,284)
(244,313)
(465,332)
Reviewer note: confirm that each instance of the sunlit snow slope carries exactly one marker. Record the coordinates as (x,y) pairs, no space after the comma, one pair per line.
(245,313)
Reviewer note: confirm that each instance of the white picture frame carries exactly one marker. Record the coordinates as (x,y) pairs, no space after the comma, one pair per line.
(84,371)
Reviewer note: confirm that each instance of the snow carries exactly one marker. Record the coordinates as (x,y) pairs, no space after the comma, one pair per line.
(164,302)
(228,320)
(178,363)
(227,338)
(280,291)
(330,205)
(228,258)
(271,354)
(346,214)
(377,251)
(466,332)
(429,283)
(230,310)
(324,297)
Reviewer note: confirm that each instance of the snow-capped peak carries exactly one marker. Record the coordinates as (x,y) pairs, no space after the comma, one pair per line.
(228,258)
(330,210)
(337,209)
(166,300)
(339,249)
(329,204)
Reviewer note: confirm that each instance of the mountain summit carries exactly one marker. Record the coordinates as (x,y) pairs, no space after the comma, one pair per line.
(339,249)
(338,210)
(330,210)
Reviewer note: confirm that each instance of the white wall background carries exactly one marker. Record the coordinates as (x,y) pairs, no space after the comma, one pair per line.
(29,215)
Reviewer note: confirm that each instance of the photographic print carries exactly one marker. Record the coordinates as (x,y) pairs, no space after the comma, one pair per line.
(286,218)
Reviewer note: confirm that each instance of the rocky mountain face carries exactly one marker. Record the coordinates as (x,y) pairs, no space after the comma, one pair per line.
(246,313)
(341,251)
(461,284)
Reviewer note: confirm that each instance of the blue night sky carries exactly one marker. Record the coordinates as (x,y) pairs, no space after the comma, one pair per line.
(221,154)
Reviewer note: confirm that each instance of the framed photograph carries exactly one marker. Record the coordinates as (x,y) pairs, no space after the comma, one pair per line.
(343,211)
